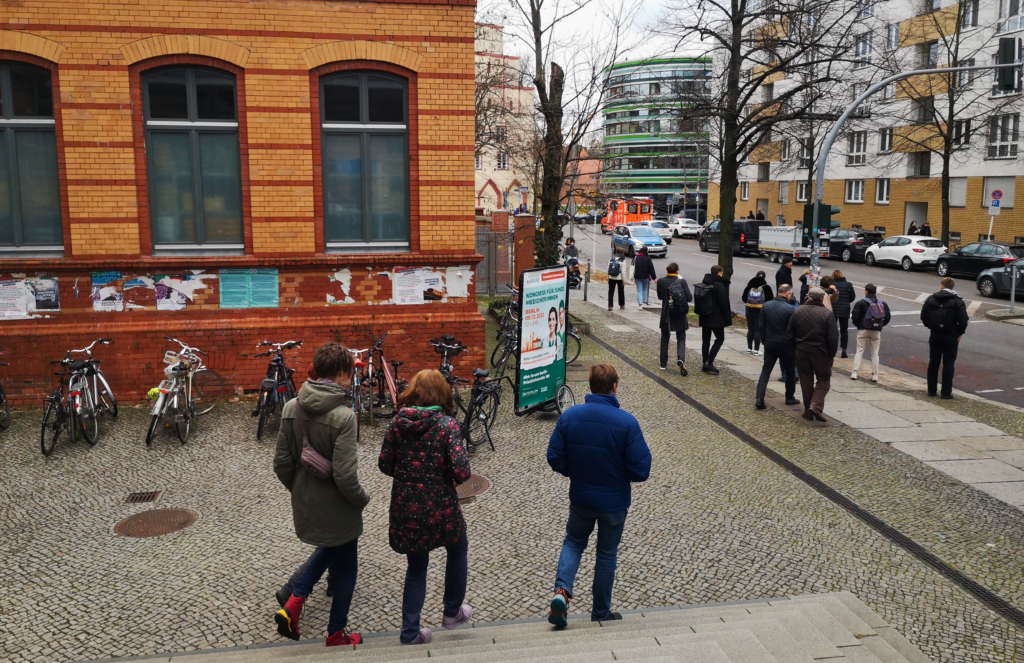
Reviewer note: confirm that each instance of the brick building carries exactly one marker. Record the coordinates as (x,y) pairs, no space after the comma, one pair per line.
(228,173)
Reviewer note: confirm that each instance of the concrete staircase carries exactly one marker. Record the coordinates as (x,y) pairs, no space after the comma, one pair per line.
(795,630)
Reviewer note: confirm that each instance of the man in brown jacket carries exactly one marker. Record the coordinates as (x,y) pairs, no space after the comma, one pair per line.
(813,333)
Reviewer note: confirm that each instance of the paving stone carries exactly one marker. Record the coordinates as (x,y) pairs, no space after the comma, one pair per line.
(1014,457)
(934,416)
(925,432)
(1011,492)
(994,443)
(978,471)
(939,450)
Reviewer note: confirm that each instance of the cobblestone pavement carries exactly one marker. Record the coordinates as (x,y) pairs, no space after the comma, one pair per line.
(715,522)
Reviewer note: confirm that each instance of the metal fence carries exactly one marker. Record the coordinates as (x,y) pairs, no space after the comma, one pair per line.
(498,266)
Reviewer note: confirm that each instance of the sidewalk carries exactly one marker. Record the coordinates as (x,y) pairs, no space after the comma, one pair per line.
(967,450)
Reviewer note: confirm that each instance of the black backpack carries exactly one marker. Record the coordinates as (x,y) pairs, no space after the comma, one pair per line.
(704,299)
(943,317)
(677,304)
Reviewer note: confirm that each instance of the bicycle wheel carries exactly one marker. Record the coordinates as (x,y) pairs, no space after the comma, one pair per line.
(154,425)
(357,409)
(5,410)
(496,354)
(572,347)
(88,419)
(53,425)
(105,398)
(270,412)
(207,390)
(382,407)
(480,418)
(182,420)
(564,398)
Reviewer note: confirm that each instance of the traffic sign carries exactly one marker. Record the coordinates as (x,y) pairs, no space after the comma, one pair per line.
(997,194)
(993,211)
(994,203)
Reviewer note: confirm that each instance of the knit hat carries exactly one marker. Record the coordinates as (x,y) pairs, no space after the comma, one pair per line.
(816,293)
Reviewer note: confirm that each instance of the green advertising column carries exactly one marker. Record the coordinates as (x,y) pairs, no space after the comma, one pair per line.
(543,315)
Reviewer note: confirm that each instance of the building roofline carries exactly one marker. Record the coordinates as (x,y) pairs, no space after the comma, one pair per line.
(640,63)
(497,55)
(489,25)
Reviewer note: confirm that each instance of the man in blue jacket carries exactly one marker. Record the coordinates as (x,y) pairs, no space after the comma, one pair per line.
(602,450)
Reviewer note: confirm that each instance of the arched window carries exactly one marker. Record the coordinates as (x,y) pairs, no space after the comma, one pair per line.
(29,185)
(195,175)
(364,120)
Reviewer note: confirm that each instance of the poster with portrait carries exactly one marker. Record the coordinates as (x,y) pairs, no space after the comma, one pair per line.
(543,315)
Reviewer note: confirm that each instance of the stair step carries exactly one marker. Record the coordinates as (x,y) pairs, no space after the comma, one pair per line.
(888,649)
(842,614)
(690,652)
(823,621)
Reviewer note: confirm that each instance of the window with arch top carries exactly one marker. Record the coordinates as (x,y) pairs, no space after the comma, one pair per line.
(365,157)
(30,211)
(195,175)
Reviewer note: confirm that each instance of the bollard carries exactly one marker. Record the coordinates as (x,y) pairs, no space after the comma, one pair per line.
(1013,290)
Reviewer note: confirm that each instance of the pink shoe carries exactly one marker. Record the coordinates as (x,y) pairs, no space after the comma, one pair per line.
(423,637)
(465,614)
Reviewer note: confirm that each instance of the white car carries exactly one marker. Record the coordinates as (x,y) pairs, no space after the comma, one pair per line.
(662,228)
(683,227)
(908,251)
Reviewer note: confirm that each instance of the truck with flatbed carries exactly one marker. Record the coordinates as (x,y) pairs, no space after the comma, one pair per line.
(777,242)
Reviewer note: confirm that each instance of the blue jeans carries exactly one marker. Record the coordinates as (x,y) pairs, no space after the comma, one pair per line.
(577,532)
(643,287)
(343,561)
(455,572)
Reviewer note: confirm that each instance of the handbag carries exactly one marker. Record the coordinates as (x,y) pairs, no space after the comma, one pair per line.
(311,459)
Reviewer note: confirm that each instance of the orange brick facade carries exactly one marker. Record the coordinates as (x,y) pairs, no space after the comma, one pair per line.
(277,52)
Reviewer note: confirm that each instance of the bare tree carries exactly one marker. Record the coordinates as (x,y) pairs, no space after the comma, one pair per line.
(775,63)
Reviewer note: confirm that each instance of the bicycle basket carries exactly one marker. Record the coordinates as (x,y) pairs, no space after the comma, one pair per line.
(171,357)
(78,365)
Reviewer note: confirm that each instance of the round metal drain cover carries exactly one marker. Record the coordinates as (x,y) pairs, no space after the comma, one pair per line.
(473,487)
(156,523)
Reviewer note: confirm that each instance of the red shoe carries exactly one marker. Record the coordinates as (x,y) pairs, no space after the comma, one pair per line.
(287,618)
(339,639)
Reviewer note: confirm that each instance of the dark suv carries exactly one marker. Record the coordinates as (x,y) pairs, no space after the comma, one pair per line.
(850,245)
(745,236)
(974,258)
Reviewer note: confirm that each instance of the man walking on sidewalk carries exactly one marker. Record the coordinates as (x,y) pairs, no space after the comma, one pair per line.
(773,324)
(869,316)
(814,335)
(945,314)
(674,293)
(711,300)
(602,450)
(616,282)
(643,274)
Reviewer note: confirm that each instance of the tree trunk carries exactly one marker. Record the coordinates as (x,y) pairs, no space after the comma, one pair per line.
(549,239)
(945,195)
(727,198)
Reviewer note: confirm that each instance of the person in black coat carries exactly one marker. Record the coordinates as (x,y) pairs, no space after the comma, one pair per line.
(912,230)
(841,307)
(805,286)
(926,230)
(673,322)
(760,215)
(643,274)
(715,322)
(945,314)
(753,311)
(785,273)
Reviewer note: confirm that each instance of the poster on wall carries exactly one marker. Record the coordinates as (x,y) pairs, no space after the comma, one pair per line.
(13,302)
(168,298)
(106,296)
(542,320)
(42,295)
(418,285)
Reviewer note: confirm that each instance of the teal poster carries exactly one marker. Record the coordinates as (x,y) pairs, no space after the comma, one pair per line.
(542,323)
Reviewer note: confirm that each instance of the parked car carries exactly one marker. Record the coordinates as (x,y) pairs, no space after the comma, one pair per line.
(629,239)
(851,245)
(908,251)
(585,219)
(998,281)
(661,227)
(973,259)
(745,234)
(683,227)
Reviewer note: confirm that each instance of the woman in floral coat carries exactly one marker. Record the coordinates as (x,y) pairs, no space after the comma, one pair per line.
(423,452)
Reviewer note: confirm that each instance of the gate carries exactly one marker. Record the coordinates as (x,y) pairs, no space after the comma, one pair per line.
(497,268)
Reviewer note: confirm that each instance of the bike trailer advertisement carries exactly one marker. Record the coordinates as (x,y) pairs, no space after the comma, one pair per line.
(543,300)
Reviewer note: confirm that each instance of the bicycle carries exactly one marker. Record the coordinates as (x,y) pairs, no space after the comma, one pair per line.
(5,406)
(383,388)
(71,405)
(482,409)
(190,391)
(356,392)
(507,348)
(277,388)
(100,387)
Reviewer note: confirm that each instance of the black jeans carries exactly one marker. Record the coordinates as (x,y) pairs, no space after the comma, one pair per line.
(455,573)
(708,356)
(942,351)
(612,285)
(753,333)
(680,346)
(844,332)
(782,353)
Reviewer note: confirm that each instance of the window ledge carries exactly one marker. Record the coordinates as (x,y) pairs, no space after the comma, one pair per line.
(19,252)
(881,203)
(161,250)
(854,202)
(368,247)
(1006,158)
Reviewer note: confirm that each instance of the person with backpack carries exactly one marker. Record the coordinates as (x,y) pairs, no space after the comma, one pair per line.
(945,314)
(869,317)
(616,282)
(711,302)
(674,293)
(317,461)
(845,296)
(643,274)
(814,336)
(755,295)
(773,322)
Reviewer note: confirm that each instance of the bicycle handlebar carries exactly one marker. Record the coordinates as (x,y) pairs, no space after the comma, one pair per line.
(263,354)
(287,345)
(379,341)
(185,347)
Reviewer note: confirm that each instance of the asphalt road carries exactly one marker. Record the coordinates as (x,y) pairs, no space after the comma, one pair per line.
(989,362)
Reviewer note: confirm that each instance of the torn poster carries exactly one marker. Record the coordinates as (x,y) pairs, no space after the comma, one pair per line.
(168,298)
(42,295)
(409,285)
(105,294)
(13,302)
(457,280)
(343,277)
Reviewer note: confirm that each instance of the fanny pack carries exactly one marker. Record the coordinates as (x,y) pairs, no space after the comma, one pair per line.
(311,459)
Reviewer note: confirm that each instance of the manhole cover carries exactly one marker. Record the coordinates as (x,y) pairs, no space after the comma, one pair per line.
(475,486)
(156,523)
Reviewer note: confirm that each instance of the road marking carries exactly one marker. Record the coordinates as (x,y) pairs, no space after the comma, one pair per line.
(973,308)
(988,391)
(904,312)
(902,325)
(922,298)
(880,288)
(1018,388)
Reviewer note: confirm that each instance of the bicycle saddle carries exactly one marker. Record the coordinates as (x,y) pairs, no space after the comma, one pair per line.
(396,363)
(481,373)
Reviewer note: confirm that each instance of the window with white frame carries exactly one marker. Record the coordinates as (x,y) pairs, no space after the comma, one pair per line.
(744,190)
(502,161)
(865,8)
(928,54)
(856,90)
(785,150)
(803,190)
(858,153)
(479,161)
(965,79)
(854,191)
(805,153)
(862,50)
(888,92)
(919,164)
(1003,134)
(892,36)
(764,171)
(961,133)
(924,109)
(882,191)
(1011,15)
(885,140)
(969,13)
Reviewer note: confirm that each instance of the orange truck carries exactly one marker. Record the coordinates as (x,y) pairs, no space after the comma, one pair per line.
(624,211)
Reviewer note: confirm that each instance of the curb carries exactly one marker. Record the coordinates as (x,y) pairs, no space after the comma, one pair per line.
(1004,314)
